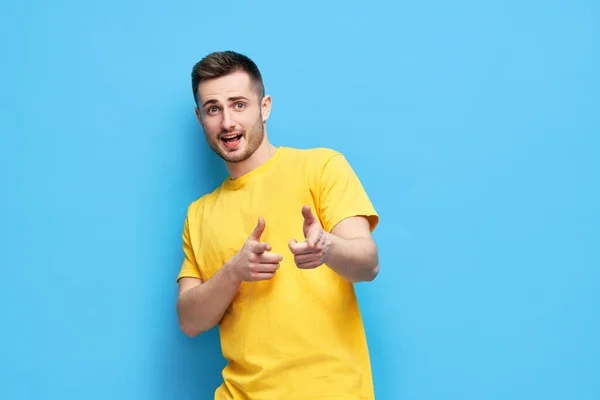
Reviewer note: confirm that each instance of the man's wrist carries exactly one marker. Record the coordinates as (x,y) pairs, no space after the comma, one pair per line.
(330,244)
(231,272)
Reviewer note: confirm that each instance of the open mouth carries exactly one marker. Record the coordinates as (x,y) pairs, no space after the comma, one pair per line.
(231,140)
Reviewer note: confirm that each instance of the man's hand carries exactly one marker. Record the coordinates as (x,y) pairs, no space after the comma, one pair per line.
(314,251)
(254,262)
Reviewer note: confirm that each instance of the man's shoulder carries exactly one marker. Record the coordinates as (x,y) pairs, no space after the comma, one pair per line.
(196,207)
(319,155)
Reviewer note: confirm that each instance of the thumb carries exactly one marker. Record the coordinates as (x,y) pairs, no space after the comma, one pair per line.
(307,214)
(257,232)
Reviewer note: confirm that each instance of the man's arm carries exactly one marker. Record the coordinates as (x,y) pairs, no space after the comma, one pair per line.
(200,306)
(353,253)
(346,219)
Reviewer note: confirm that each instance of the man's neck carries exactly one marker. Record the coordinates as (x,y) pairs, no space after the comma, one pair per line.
(258,158)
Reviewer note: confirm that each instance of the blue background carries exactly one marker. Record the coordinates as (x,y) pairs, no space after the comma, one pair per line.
(475,127)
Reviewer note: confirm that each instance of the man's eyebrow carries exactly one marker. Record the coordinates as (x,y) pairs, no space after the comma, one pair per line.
(236,98)
(231,99)
(212,101)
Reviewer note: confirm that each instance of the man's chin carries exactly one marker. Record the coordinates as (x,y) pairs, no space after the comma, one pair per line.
(235,156)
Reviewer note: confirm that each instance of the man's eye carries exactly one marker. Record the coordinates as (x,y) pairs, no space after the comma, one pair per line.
(213,110)
(240,105)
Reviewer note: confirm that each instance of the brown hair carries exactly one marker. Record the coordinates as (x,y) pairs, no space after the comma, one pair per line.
(221,63)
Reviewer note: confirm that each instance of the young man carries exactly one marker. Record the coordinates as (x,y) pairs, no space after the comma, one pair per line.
(271,255)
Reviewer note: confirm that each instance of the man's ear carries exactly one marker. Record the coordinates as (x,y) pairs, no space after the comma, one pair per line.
(265,107)
(199,116)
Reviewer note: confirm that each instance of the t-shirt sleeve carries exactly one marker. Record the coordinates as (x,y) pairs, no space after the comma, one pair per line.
(342,195)
(189,267)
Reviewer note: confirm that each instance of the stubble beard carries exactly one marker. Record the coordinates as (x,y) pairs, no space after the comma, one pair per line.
(253,138)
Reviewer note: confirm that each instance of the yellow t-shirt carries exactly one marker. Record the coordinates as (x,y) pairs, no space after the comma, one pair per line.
(299,335)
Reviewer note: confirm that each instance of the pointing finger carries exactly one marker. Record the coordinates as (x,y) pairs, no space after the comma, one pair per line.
(292,244)
(297,248)
(260,247)
(270,258)
(300,248)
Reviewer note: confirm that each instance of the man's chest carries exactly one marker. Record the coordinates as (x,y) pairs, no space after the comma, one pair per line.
(228,222)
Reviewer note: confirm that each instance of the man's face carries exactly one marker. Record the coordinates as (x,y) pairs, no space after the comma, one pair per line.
(232,116)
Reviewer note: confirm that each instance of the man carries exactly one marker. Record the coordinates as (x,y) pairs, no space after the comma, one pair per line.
(272,254)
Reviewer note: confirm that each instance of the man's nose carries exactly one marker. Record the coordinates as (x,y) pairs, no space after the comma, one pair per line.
(228,121)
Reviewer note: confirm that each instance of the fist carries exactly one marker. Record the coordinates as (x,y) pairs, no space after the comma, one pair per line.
(314,251)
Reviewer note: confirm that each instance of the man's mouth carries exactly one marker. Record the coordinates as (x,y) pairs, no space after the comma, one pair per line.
(231,140)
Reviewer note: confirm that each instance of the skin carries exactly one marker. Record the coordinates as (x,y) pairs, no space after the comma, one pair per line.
(230,105)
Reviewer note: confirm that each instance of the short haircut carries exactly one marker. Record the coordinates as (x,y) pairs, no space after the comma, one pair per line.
(222,63)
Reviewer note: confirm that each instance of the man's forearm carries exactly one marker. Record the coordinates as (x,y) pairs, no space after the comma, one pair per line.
(355,260)
(201,308)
